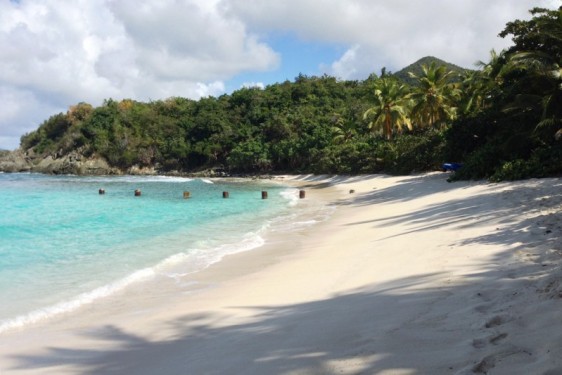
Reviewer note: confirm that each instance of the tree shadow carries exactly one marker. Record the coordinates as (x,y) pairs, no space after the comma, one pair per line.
(470,325)
(330,180)
(300,338)
(361,332)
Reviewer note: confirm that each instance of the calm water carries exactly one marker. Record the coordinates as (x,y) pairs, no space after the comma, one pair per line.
(62,245)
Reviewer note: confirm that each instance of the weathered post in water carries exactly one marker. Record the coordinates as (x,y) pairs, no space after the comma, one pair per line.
(225,194)
(186,194)
(137,193)
(302,194)
(101,191)
(264,195)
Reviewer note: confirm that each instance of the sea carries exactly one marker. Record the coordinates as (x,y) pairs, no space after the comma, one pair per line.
(63,245)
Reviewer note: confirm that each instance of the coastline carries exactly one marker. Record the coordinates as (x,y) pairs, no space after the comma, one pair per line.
(409,275)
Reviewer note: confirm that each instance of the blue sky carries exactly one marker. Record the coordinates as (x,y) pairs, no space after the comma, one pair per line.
(53,56)
(296,57)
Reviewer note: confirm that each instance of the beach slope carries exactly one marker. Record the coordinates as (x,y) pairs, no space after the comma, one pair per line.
(410,275)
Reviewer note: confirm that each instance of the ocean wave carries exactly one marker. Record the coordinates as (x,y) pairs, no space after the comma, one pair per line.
(197,259)
(135,179)
(75,303)
(201,253)
(291,195)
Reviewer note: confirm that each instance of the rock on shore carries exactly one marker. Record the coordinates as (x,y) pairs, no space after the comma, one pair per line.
(72,163)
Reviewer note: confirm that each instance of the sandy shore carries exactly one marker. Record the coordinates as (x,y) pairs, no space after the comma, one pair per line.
(411,275)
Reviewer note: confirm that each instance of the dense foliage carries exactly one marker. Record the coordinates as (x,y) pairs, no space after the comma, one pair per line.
(501,121)
(512,124)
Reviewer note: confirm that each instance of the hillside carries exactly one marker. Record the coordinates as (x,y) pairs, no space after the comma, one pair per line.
(323,125)
(416,68)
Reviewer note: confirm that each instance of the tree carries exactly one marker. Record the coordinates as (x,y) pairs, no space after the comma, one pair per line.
(343,130)
(390,112)
(540,33)
(79,112)
(537,54)
(480,89)
(434,96)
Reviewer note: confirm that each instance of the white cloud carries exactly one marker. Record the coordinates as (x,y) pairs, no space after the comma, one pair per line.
(24,108)
(190,40)
(390,33)
(54,54)
(346,66)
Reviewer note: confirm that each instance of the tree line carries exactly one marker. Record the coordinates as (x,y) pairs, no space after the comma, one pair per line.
(502,121)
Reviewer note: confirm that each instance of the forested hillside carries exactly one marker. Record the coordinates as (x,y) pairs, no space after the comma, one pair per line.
(502,121)
(416,69)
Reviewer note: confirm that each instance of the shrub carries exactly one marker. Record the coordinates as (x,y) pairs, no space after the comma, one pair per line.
(479,164)
(346,158)
(420,151)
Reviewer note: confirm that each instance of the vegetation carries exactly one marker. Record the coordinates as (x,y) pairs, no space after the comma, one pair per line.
(513,130)
(416,69)
(392,106)
(503,121)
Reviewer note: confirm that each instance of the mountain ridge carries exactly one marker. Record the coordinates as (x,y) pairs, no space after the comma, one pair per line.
(416,68)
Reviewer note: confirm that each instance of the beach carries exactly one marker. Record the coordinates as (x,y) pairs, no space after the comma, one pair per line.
(409,275)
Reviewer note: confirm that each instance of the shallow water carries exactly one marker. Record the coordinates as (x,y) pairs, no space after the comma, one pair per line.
(63,245)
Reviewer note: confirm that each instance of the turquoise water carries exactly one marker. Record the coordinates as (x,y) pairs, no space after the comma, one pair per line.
(62,245)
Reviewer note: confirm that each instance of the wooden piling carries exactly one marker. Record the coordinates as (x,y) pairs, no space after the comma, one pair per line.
(186,194)
(101,191)
(351,191)
(264,195)
(225,194)
(137,193)
(302,194)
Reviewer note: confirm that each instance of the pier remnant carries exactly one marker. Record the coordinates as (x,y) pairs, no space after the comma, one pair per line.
(225,194)
(302,194)
(264,195)
(101,191)
(186,194)
(137,193)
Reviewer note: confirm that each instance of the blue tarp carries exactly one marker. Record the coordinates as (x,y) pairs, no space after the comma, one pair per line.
(451,166)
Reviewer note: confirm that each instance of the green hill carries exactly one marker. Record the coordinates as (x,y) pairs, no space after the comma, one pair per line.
(416,68)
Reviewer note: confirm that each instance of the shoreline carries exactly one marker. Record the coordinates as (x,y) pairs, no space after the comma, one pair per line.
(409,275)
(177,265)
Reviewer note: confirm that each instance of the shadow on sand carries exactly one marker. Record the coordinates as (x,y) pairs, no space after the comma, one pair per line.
(332,336)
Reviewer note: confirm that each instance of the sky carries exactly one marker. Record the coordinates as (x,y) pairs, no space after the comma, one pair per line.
(56,53)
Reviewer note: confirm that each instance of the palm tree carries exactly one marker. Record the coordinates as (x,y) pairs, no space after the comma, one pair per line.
(541,88)
(343,130)
(481,88)
(390,112)
(435,97)
(537,59)
(474,94)
(494,69)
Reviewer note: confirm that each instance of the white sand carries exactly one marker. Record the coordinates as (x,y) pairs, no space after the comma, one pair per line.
(411,275)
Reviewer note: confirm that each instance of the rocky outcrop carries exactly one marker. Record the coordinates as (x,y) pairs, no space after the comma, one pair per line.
(142,171)
(78,164)
(74,163)
(14,161)
(71,163)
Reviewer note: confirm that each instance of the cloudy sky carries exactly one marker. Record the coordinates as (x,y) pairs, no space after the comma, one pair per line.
(56,53)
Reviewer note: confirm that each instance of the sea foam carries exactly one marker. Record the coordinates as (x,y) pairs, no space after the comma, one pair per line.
(75,303)
(88,247)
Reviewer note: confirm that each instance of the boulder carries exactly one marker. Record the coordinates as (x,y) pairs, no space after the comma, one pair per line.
(14,161)
(73,163)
